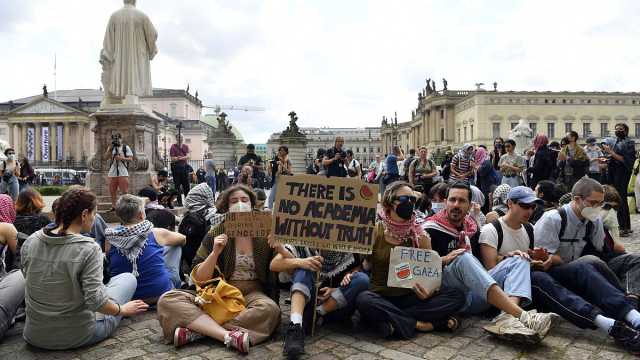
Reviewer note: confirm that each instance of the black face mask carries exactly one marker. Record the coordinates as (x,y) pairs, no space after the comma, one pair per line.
(405,210)
(620,134)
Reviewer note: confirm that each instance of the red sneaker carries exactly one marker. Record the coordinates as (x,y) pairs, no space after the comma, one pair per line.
(183,336)
(239,340)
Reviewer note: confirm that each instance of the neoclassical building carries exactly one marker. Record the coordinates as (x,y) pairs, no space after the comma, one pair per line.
(453,117)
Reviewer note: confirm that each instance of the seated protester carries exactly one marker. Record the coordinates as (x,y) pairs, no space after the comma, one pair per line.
(196,221)
(156,213)
(151,254)
(9,242)
(62,305)
(29,216)
(477,203)
(244,262)
(12,282)
(261,197)
(547,192)
(160,183)
(452,231)
(246,178)
(499,201)
(438,196)
(566,283)
(398,311)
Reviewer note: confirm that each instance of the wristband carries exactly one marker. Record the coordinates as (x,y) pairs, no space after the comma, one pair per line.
(118,313)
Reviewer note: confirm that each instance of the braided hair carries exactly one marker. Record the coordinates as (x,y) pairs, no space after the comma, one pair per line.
(70,206)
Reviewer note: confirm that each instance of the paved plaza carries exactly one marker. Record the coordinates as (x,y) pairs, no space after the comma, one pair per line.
(140,338)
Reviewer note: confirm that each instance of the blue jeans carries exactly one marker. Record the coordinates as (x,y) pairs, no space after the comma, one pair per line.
(467,274)
(345,296)
(120,289)
(11,187)
(512,181)
(272,194)
(172,256)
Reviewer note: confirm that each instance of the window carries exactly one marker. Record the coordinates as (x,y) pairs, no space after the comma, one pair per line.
(459,140)
(496,130)
(378,149)
(357,149)
(442,114)
(638,130)
(465,133)
(586,130)
(186,111)
(173,108)
(568,127)
(551,130)
(604,129)
(441,134)
(534,128)
(471,132)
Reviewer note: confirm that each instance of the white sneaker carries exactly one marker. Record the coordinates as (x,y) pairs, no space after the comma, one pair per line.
(507,327)
(538,322)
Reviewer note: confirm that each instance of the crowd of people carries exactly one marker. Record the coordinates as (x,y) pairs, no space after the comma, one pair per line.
(523,239)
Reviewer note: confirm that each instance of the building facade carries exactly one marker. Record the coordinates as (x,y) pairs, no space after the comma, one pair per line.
(451,118)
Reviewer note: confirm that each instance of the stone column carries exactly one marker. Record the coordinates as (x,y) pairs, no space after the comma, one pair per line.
(11,135)
(37,138)
(53,142)
(66,140)
(77,148)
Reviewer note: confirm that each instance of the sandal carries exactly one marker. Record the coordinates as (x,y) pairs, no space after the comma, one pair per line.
(443,324)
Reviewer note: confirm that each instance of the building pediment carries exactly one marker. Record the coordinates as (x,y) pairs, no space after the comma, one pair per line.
(43,105)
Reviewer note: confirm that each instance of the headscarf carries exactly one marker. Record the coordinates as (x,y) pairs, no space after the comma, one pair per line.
(7,209)
(500,194)
(477,196)
(130,241)
(481,155)
(463,151)
(201,198)
(539,141)
(469,227)
(403,230)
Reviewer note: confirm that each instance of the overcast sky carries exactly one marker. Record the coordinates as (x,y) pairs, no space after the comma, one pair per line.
(336,63)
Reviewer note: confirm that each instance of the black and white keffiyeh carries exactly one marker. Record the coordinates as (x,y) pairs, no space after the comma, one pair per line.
(130,241)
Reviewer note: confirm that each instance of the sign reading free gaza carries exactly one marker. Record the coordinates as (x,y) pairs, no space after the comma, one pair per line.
(408,266)
(336,214)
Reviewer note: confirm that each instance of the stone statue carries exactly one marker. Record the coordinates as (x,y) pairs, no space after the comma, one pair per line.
(292,130)
(223,124)
(522,135)
(495,86)
(444,84)
(3,146)
(45,93)
(433,85)
(128,48)
(429,86)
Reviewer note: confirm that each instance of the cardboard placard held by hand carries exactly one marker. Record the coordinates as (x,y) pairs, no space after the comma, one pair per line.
(408,266)
(248,224)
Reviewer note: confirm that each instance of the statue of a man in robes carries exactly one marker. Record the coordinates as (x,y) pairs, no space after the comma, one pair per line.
(128,48)
(522,135)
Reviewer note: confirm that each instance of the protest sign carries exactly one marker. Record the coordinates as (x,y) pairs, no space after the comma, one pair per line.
(247,224)
(408,266)
(336,214)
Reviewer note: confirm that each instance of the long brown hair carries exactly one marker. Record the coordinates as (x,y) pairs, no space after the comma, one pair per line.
(29,202)
(222,204)
(71,205)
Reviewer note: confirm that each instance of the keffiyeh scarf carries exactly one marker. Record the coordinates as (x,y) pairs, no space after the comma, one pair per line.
(440,221)
(201,198)
(406,231)
(130,241)
(7,209)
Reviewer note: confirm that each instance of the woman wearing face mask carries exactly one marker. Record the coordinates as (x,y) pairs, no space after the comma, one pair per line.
(244,262)
(402,312)
(10,173)
(438,196)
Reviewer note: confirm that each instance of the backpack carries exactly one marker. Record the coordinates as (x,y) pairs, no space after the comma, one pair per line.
(194,226)
(475,244)
(407,163)
(588,249)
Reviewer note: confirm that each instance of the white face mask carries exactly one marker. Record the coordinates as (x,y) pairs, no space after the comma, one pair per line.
(436,207)
(591,213)
(11,157)
(240,207)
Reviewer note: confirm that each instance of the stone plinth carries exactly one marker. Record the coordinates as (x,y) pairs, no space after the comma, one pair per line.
(139,129)
(225,151)
(297,152)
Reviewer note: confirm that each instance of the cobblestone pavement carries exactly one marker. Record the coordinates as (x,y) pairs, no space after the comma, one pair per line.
(140,338)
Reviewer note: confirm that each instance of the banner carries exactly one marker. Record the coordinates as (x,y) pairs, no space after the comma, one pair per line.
(31,144)
(59,142)
(248,224)
(45,143)
(336,214)
(408,266)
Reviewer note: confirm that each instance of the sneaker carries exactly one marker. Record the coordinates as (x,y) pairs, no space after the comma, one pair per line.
(507,327)
(183,336)
(538,322)
(293,341)
(239,340)
(626,337)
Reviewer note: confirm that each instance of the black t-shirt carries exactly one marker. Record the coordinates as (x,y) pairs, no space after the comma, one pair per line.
(443,243)
(337,167)
(257,160)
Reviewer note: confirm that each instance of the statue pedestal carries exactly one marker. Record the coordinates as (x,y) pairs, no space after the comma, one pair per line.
(225,151)
(139,129)
(297,152)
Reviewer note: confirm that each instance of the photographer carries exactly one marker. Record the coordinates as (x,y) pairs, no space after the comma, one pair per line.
(179,168)
(119,155)
(334,159)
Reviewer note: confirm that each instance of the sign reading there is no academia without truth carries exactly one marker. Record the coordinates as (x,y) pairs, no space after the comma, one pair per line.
(336,214)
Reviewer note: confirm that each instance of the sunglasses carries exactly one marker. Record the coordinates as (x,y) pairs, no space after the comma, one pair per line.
(527,206)
(406,198)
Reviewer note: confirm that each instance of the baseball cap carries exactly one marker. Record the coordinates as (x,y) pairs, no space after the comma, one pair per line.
(522,194)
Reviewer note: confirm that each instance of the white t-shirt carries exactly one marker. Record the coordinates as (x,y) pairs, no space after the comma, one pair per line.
(118,167)
(511,239)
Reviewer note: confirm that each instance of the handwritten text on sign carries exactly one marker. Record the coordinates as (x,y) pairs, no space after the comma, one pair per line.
(408,266)
(247,224)
(325,213)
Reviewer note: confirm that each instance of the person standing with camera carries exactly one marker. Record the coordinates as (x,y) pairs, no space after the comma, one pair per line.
(179,168)
(334,159)
(10,173)
(119,156)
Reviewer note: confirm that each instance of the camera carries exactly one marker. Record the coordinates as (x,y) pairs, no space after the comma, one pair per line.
(115,140)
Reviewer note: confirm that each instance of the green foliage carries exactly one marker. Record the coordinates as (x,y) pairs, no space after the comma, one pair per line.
(51,190)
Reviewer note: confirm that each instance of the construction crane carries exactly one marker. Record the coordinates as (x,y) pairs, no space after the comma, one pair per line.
(217,109)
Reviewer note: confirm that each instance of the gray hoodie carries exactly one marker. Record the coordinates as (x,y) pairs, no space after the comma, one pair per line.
(63,289)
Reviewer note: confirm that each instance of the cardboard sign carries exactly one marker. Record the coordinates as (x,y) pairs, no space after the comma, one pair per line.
(336,214)
(247,224)
(408,266)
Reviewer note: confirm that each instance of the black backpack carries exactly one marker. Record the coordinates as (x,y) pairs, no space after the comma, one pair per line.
(475,244)
(194,226)
(588,249)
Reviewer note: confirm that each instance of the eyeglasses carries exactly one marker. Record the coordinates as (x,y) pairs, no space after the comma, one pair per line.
(527,206)
(406,198)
